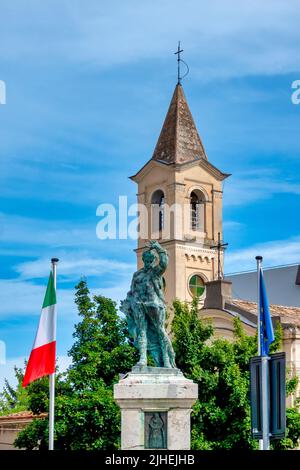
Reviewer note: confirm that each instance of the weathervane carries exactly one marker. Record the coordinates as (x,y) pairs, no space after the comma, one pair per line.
(179,59)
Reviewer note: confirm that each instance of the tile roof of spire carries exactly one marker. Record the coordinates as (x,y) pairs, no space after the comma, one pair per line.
(179,141)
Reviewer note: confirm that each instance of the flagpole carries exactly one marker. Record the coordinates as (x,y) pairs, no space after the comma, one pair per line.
(54,261)
(264,443)
(258,261)
(265,402)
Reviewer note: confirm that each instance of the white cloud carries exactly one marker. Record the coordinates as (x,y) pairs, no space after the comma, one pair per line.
(74,246)
(232,225)
(274,253)
(221,38)
(63,363)
(72,239)
(7,369)
(248,187)
(225,38)
(20,298)
(55,233)
(74,267)
(117,292)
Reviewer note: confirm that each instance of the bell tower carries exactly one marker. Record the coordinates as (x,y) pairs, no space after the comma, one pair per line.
(180,196)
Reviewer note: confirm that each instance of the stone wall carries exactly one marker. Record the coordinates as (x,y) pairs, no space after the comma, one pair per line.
(11,425)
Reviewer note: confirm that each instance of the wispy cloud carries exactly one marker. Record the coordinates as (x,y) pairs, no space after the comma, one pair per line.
(43,232)
(248,187)
(224,37)
(75,246)
(66,238)
(24,298)
(7,369)
(83,112)
(59,121)
(20,298)
(73,267)
(274,253)
(232,225)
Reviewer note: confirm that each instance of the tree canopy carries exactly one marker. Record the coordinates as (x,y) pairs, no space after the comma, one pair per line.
(221,416)
(86,415)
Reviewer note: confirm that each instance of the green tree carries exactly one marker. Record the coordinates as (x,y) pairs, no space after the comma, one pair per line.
(14,399)
(221,416)
(86,415)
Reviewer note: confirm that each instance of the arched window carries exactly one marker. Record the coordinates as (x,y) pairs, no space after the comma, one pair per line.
(157,202)
(197,210)
(196,285)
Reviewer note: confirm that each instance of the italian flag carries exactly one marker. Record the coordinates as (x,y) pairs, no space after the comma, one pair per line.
(42,358)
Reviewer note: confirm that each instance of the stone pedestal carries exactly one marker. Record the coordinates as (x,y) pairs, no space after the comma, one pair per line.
(155,407)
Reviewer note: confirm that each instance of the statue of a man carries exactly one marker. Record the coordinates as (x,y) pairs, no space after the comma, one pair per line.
(145,309)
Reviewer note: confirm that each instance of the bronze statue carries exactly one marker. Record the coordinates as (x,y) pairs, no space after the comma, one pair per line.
(145,309)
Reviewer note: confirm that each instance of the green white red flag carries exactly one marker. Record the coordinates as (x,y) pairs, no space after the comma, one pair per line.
(42,358)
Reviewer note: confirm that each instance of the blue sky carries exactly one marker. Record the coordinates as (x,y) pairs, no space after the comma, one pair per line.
(88,86)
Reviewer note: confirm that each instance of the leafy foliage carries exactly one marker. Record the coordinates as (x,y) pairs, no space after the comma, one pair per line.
(291,440)
(13,400)
(86,415)
(221,416)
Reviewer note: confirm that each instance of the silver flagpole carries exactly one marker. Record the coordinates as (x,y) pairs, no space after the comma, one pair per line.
(265,402)
(54,261)
(264,443)
(258,261)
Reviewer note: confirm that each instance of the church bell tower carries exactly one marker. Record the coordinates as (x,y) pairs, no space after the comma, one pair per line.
(180,192)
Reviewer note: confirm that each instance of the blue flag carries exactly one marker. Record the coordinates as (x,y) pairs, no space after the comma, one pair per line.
(266,328)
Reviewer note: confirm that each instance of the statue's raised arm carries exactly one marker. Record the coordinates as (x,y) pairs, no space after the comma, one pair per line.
(163,259)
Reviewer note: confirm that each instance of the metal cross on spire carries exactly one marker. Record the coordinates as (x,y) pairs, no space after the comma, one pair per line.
(220,246)
(179,59)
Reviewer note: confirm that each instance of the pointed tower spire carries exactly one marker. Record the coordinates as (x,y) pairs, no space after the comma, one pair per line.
(179,141)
